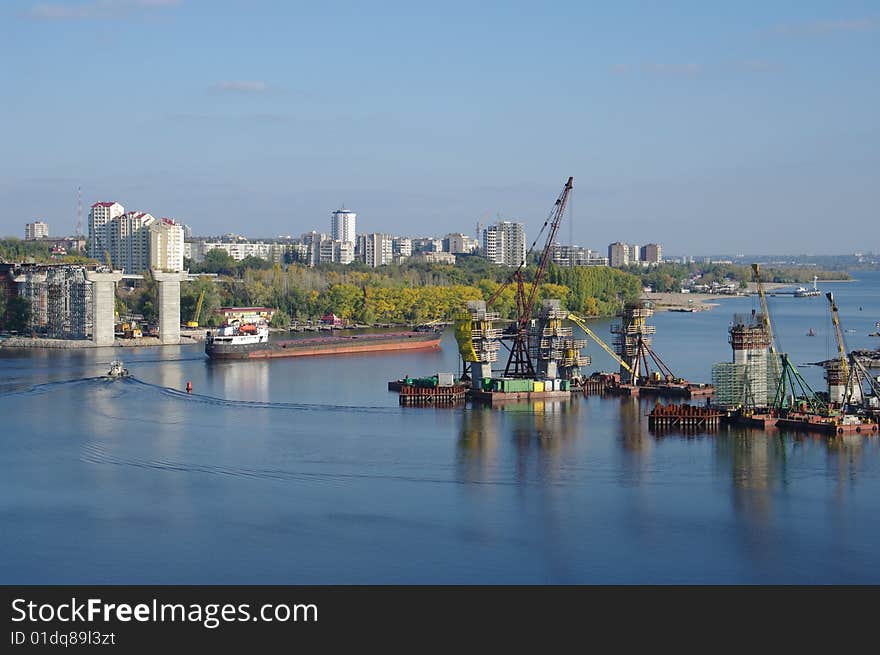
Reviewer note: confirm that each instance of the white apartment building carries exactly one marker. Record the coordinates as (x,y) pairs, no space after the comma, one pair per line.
(378,249)
(342,225)
(622,254)
(577,256)
(166,245)
(457,243)
(35,230)
(402,247)
(128,241)
(238,250)
(331,251)
(505,243)
(429,257)
(100,215)
(427,244)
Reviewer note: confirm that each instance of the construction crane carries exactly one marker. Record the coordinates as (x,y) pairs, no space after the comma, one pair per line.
(854,398)
(841,346)
(765,312)
(519,364)
(581,323)
(765,321)
(194,323)
(793,390)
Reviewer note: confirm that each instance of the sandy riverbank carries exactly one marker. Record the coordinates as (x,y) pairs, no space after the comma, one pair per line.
(701,302)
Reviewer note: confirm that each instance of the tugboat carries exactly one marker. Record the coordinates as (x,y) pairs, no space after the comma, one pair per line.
(117,370)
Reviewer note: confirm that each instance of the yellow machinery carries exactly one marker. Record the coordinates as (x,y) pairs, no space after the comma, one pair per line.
(841,346)
(582,324)
(194,323)
(765,319)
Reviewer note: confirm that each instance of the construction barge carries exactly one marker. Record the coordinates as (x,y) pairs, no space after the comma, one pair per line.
(251,341)
(441,389)
(684,416)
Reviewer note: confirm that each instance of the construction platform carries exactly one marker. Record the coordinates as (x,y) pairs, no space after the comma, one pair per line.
(824,424)
(759,421)
(680,390)
(438,395)
(684,416)
(496,398)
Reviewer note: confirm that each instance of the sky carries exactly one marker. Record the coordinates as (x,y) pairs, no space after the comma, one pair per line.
(707,127)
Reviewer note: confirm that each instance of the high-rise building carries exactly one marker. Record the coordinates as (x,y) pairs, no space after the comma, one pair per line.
(342,225)
(402,247)
(505,243)
(128,242)
(166,245)
(35,230)
(100,215)
(652,253)
(633,253)
(378,249)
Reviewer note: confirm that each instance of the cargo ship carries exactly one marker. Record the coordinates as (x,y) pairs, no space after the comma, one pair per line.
(250,341)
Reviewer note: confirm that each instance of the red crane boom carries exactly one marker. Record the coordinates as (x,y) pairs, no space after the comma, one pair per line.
(519,364)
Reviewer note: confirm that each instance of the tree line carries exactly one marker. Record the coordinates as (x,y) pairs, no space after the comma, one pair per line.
(406,293)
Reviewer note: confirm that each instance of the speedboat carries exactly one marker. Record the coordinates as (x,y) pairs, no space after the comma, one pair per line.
(117,370)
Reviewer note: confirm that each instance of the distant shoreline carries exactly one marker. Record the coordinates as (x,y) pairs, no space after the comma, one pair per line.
(703,302)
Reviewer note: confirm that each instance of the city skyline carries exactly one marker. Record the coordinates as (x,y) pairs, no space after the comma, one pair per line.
(676,123)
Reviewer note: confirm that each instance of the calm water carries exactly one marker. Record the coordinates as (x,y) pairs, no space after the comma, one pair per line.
(307,471)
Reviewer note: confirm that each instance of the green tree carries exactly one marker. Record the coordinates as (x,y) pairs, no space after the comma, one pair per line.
(18,314)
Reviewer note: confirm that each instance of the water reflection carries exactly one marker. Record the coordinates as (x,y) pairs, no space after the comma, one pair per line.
(540,432)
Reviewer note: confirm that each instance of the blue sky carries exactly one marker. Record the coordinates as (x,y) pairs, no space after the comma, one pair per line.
(709,127)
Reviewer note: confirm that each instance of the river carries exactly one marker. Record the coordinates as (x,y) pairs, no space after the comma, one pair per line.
(306,471)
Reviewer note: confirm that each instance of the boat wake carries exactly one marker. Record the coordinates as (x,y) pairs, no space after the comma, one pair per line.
(259,404)
(94,453)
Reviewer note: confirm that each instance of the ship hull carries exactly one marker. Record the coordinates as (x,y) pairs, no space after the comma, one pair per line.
(325,346)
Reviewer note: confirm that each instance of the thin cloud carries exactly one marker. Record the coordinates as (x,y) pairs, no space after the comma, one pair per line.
(758,66)
(820,27)
(673,69)
(240,86)
(657,68)
(96,9)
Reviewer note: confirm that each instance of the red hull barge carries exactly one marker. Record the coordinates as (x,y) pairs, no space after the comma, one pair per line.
(341,345)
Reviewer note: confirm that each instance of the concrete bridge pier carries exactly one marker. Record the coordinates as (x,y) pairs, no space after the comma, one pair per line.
(104,305)
(169,305)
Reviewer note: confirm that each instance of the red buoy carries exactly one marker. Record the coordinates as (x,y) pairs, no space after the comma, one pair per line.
(189,386)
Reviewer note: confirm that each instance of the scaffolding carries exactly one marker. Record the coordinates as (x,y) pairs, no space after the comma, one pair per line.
(551,345)
(632,342)
(60,298)
(751,384)
(484,337)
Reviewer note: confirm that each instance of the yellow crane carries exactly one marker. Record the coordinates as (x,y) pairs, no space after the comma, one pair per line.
(841,346)
(765,312)
(194,323)
(582,324)
(765,320)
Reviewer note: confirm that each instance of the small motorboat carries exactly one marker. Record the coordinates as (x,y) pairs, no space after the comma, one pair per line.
(117,370)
